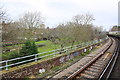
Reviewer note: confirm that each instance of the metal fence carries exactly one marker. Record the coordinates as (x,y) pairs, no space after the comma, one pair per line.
(36,57)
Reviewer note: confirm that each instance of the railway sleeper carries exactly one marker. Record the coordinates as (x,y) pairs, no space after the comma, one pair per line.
(83,78)
(97,65)
(91,69)
(100,63)
(95,68)
(90,72)
(87,75)
(70,72)
(95,71)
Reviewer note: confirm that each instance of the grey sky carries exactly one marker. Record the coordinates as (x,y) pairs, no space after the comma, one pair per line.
(58,11)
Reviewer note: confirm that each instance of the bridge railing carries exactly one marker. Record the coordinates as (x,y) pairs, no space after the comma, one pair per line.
(35,57)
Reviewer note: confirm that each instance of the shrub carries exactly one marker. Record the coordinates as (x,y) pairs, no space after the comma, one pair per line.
(88,51)
(11,55)
(83,54)
(29,48)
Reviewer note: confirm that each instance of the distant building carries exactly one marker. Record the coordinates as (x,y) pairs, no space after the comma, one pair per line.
(42,26)
(115,28)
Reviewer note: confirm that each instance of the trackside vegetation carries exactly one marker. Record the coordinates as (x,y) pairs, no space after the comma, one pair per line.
(29,48)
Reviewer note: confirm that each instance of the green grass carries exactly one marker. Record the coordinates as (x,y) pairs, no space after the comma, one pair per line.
(23,44)
(87,52)
(48,47)
(56,68)
(45,41)
(9,55)
(17,45)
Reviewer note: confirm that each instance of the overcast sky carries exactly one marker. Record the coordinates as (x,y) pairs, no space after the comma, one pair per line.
(57,11)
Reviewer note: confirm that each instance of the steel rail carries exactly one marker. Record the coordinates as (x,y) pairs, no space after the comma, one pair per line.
(89,63)
(105,75)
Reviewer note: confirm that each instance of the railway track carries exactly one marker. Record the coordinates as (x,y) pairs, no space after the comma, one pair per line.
(112,69)
(96,68)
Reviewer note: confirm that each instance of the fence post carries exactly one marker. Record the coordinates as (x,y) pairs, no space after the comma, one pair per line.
(81,44)
(78,46)
(6,65)
(75,47)
(86,43)
(66,50)
(35,57)
(90,42)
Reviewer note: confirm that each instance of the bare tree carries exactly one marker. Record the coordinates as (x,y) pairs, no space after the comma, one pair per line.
(83,19)
(83,25)
(99,32)
(88,18)
(76,31)
(31,21)
(2,14)
(78,19)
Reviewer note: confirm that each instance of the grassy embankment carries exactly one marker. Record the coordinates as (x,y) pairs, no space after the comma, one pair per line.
(48,46)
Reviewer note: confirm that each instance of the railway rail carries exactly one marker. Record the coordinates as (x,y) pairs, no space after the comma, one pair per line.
(112,69)
(98,66)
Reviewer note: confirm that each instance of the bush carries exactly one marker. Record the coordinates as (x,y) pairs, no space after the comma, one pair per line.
(10,55)
(83,54)
(88,51)
(29,48)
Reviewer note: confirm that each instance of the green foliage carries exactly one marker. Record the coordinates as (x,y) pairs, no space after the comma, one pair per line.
(88,51)
(56,68)
(11,55)
(39,42)
(49,46)
(29,48)
(83,54)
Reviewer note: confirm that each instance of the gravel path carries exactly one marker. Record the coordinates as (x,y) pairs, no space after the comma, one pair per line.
(84,60)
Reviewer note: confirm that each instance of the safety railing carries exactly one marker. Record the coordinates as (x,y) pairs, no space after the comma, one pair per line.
(35,57)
